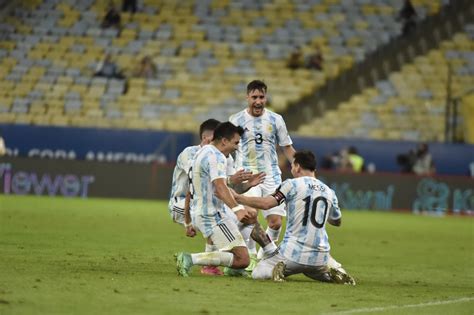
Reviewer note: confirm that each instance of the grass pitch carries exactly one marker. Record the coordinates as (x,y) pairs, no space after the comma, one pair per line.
(96,256)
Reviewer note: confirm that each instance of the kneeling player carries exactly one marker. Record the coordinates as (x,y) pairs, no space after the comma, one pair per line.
(305,247)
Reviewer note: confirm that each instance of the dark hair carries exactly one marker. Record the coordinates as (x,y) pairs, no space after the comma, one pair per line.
(352,150)
(306,160)
(208,125)
(227,130)
(256,85)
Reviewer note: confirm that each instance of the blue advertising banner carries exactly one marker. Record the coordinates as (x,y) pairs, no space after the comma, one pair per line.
(449,159)
(138,146)
(94,144)
(379,191)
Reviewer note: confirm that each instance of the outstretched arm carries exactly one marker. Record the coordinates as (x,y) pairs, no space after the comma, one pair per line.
(263,203)
(250,181)
(224,194)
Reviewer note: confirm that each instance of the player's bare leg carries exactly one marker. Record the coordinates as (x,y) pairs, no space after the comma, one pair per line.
(274,222)
(246,226)
(261,237)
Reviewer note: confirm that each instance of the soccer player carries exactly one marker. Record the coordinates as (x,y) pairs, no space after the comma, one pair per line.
(264,131)
(305,246)
(210,196)
(180,183)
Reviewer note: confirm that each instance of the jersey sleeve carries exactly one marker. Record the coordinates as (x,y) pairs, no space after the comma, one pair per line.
(335,211)
(283,135)
(180,160)
(217,166)
(284,191)
(231,169)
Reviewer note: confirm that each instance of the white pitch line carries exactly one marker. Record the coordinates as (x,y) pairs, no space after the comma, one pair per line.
(393,307)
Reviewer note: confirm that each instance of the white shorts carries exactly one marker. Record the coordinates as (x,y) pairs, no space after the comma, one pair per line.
(264,268)
(226,235)
(177,210)
(264,190)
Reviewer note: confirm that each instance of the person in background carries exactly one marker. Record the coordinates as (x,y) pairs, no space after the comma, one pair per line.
(129,5)
(423,161)
(357,161)
(3,149)
(315,60)
(408,16)
(108,68)
(146,68)
(112,17)
(295,60)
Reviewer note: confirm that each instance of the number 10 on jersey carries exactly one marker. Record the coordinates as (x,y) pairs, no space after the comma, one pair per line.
(313,206)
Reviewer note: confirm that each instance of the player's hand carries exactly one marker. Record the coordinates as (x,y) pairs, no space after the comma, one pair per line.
(240,176)
(256,179)
(190,231)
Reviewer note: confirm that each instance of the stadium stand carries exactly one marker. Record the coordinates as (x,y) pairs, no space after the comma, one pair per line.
(410,105)
(205,53)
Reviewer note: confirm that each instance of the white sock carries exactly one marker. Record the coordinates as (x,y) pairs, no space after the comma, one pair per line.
(274,234)
(252,246)
(213,259)
(245,230)
(270,248)
(211,248)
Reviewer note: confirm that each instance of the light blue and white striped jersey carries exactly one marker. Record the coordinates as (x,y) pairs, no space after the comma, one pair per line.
(309,203)
(206,209)
(180,183)
(258,144)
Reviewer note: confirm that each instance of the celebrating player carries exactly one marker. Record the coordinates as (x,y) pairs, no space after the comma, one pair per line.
(264,130)
(210,196)
(305,246)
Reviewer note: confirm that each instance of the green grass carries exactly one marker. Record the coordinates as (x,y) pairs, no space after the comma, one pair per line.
(96,256)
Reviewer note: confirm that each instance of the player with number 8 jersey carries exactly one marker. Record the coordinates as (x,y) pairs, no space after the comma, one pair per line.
(264,132)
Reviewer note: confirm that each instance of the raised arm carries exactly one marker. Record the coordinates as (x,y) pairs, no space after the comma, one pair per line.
(289,152)
(223,193)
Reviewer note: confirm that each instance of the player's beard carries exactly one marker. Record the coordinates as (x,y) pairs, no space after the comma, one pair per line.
(257,110)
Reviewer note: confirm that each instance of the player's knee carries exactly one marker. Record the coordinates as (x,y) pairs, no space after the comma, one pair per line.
(241,259)
(241,262)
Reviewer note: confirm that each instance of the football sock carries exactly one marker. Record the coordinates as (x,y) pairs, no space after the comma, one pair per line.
(213,259)
(245,230)
(274,234)
(211,248)
(269,249)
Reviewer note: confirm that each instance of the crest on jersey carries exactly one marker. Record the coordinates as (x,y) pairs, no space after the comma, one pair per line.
(270,128)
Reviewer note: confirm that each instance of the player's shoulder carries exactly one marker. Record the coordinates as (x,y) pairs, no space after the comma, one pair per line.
(325,187)
(192,148)
(233,118)
(189,151)
(273,114)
